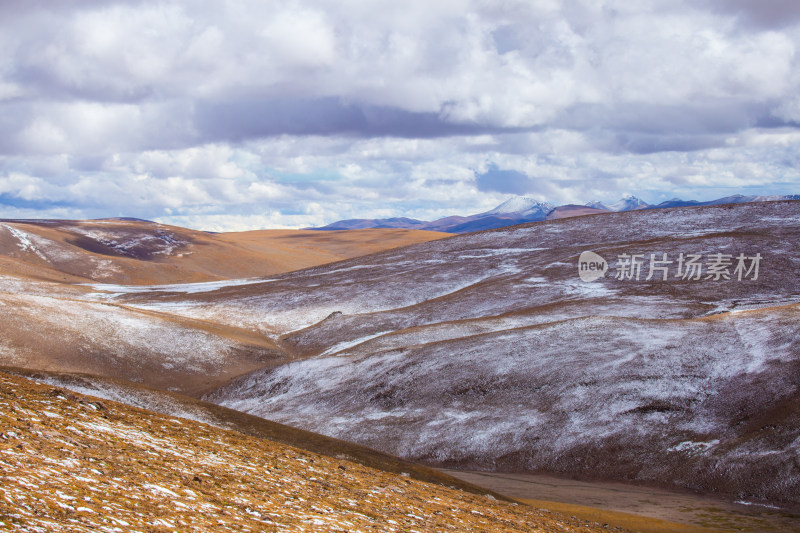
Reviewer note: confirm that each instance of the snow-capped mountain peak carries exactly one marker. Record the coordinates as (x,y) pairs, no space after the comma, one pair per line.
(628,203)
(597,204)
(521,205)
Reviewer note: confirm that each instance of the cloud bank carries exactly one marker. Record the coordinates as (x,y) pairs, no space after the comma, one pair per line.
(244,114)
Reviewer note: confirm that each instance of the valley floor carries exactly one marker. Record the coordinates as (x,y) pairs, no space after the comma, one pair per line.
(639,508)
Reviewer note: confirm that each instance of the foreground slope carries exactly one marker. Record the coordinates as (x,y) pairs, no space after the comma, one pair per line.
(72,463)
(181,406)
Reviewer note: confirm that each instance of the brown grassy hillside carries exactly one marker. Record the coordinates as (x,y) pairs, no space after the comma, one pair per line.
(140,252)
(74,463)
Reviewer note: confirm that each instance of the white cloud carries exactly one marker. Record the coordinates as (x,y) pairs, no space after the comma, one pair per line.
(23,186)
(299,113)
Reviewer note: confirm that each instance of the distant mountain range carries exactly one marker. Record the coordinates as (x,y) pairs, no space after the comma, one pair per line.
(521,209)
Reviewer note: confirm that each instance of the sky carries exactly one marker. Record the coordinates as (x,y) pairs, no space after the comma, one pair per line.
(239,114)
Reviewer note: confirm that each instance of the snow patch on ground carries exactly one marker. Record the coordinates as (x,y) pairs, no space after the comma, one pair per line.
(112,290)
(162,242)
(24,241)
(349,344)
(693,447)
(495,252)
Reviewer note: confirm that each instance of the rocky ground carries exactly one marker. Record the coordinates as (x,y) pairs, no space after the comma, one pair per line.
(74,463)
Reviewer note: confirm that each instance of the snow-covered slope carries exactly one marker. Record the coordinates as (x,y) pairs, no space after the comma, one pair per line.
(648,400)
(487,351)
(503,273)
(46,328)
